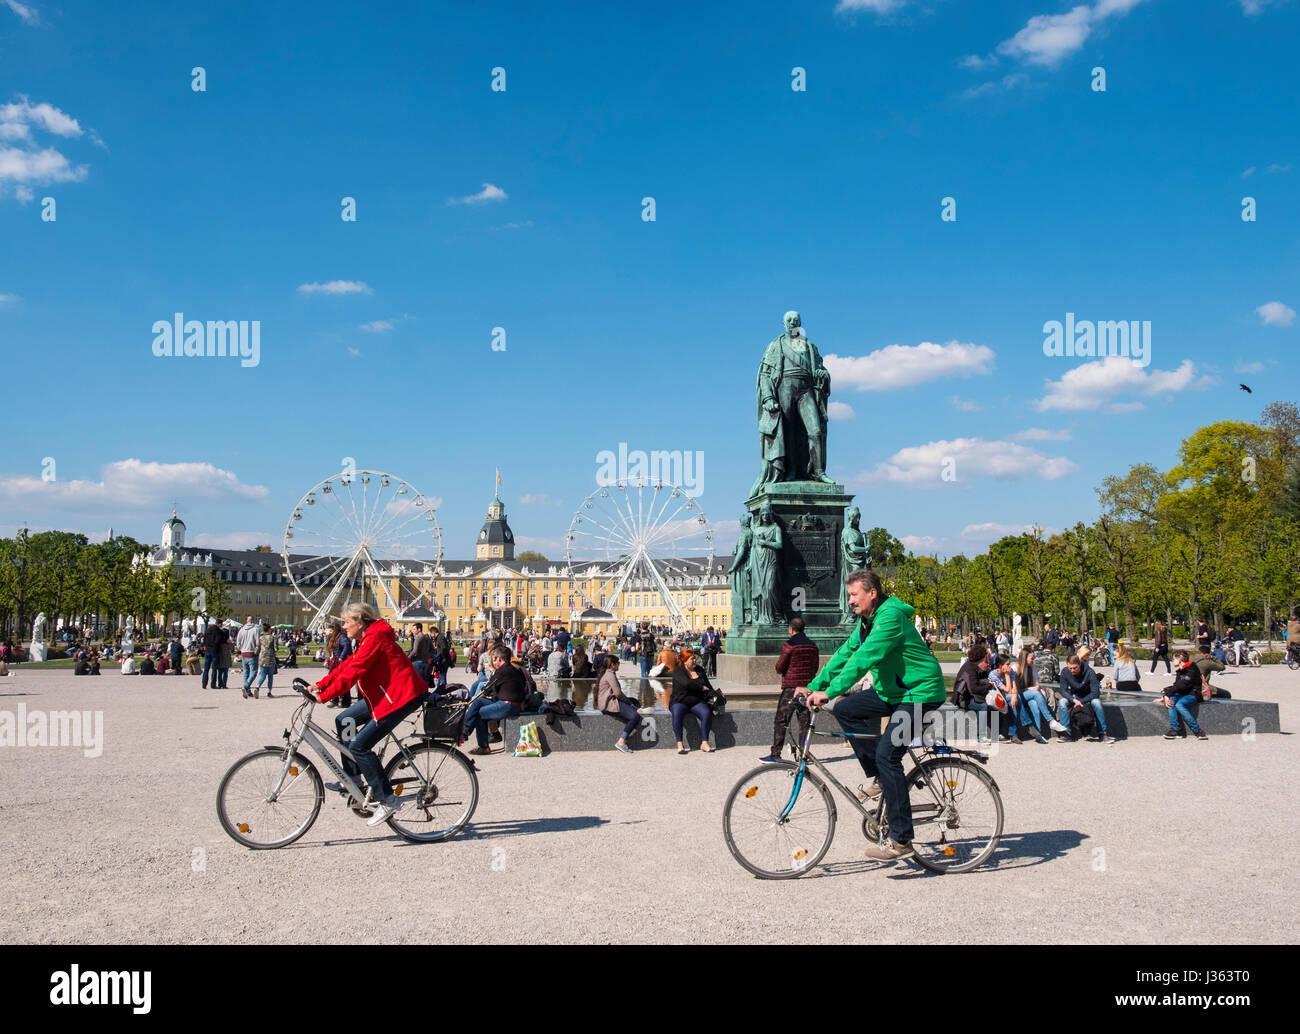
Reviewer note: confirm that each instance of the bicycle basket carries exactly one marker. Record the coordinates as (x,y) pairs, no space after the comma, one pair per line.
(445,721)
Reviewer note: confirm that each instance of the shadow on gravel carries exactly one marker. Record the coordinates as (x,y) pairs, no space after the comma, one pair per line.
(522,827)
(19,694)
(1014,851)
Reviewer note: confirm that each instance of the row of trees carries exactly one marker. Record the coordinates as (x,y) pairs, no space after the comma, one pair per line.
(1215,537)
(95,586)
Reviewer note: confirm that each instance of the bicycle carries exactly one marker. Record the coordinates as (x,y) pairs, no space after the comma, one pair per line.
(1250,655)
(270,797)
(779,819)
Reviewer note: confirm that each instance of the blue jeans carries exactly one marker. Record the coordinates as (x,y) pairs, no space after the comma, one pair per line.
(979,707)
(370,734)
(701,711)
(645,665)
(860,713)
(481,711)
(1040,716)
(267,672)
(422,667)
(249,664)
(1063,714)
(1185,707)
(210,665)
(347,723)
(628,715)
(479,683)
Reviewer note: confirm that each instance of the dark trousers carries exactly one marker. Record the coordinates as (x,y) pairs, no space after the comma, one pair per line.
(370,734)
(701,711)
(627,713)
(1161,653)
(784,708)
(860,713)
(210,665)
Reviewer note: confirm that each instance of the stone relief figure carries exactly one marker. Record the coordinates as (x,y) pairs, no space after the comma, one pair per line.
(740,601)
(853,555)
(793,385)
(765,569)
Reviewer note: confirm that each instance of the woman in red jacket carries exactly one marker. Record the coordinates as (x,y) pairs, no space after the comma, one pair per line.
(390,690)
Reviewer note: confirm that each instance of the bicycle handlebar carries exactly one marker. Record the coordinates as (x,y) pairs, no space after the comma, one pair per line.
(303,687)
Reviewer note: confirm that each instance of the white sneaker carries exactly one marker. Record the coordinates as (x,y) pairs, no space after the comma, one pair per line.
(645,712)
(391,806)
(1057,726)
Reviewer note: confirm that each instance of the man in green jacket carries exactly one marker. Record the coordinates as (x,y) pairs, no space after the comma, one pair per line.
(900,680)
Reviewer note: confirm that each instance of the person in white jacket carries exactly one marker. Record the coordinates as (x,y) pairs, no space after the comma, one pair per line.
(246,643)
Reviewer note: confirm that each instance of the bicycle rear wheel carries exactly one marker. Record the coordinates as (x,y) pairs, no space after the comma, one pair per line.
(244,803)
(959,830)
(438,789)
(778,822)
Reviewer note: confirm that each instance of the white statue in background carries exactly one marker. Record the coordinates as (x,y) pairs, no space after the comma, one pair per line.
(1017,634)
(40,650)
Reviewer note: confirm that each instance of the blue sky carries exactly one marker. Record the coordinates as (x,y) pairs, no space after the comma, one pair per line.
(522,209)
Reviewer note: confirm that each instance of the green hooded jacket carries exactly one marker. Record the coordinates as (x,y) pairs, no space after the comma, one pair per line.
(903,669)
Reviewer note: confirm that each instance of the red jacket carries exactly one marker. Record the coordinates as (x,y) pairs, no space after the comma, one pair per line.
(385,676)
(798,662)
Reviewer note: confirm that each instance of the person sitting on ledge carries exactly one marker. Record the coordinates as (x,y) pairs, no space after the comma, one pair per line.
(690,686)
(1184,697)
(502,697)
(611,700)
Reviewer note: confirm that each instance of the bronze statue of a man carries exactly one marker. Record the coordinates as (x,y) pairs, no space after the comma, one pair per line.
(793,385)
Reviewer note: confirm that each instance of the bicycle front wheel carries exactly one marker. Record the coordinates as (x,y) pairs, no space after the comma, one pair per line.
(438,790)
(778,821)
(269,798)
(956,814)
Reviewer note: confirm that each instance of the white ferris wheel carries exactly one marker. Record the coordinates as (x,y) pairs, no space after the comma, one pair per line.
(644,544)
(352,534)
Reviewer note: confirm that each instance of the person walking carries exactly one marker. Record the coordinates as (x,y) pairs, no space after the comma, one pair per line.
(266,658)
(246,641)
(1161,647)
(797,666)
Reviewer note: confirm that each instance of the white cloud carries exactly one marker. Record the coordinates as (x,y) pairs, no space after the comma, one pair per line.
(134,484)
(236,540)
(1007,82)
(526,225)
(1248,173)
(490,192)
(44,166)
(974,61)
(901,366)
(1090,384)
(875,6)
(919,543)
(1275,314)
(1251,8)
(1275,167)
(336,287)
(1048,39)
(840,411)
(1240,367)
(964,405)
(1042,434)
(378,326)
(551,548)
(6,299)
(966,459)
(44,116)
(24,11)
(538,499)
(994,531)
(354,352)
(24,194)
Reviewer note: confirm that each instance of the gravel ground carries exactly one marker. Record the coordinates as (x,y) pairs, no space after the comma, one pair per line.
(1102,844)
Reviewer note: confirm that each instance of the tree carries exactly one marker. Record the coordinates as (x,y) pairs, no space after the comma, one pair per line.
(884,549)
(532,556)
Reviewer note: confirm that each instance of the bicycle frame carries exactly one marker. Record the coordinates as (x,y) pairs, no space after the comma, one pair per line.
(806,756)
(306,730)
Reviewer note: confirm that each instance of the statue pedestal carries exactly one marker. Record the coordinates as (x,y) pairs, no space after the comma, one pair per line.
(811,515)
(38,652)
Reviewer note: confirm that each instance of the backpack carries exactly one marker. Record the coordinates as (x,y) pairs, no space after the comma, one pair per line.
(566,669)
(1083,722)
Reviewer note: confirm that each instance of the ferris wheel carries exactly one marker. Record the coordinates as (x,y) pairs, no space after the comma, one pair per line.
(637,540)
(352,534)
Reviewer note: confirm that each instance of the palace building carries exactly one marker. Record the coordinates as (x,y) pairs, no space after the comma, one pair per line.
(493,590)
